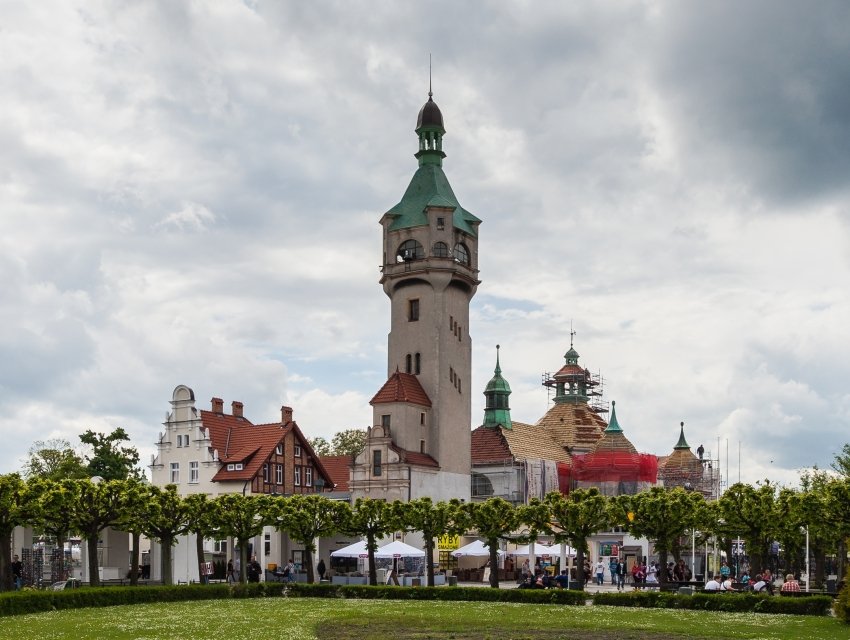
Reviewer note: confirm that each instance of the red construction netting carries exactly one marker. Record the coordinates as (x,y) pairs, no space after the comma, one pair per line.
(614,466)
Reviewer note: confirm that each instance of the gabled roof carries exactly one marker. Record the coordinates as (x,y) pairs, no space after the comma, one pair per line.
(338,468)
(520,442)
(402,387)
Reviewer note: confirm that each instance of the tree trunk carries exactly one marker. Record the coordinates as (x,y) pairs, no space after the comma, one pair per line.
(91,545)
(494,562)
(134,561)
(6,583)
(308,560)
(165,547)
(429,561)
(199,552)
(370,546)
(661,574)
(580,565)
(243,560)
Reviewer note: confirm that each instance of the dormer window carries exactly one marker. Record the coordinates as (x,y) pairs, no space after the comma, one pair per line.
(410,250)
(231,467)
(279,449)
(441,223)
(461,253)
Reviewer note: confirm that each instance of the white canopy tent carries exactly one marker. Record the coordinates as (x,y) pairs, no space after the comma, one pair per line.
(399,549)
(356,550)
(477,549)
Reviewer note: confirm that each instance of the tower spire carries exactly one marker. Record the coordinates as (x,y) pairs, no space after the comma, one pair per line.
(497,411)
(430,93)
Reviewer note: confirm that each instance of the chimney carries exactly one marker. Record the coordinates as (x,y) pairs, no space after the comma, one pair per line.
(217,405)
(237,409)
(285,415)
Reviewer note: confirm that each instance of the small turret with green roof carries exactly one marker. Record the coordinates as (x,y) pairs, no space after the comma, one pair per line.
(613,425)
(497,411)
(682,444)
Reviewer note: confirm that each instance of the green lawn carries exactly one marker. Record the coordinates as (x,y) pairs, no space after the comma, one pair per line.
(278,618)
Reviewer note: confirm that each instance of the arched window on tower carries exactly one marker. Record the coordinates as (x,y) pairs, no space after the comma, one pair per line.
(481,486)
(409,250)
(461,253)
(408,367)
(441,250)
(418,364)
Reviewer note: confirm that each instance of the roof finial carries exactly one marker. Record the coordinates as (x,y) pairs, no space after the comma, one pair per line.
(430,93)
(572,334)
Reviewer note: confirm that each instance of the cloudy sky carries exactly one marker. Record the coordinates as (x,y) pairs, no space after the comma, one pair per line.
(190,194)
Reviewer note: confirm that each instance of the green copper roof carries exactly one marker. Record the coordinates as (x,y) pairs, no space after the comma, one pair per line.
(429,188)
(497,411)
(613,425)
(682,444)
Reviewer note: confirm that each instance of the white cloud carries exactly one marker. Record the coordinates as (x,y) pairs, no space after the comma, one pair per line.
(191,194)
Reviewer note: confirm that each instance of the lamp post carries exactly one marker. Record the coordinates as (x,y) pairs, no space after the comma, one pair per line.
(807,559)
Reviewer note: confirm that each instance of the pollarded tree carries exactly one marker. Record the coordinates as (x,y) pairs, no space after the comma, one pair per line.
(101,504)
(372,519)
(576,517)
(535,520)
(52,505)
(660,515)
(199,523)
(306,517)
(433,520)
(109,459)
(752,512)
(13,513)
(240,517)
(495,519)
(164,516)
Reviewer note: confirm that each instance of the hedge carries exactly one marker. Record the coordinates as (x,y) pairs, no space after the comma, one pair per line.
(21,602)
(730,602)
(470,594)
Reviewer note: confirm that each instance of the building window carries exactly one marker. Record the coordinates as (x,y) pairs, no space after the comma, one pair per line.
(278,474)
(376,462)
(220,546)
(422,446)
(231,467)
(422,418)
(409,250)
(441,223)
(266,472)
(297,452)
(279,449)
(408,363)
(297,476)
(179,441)
(267,544)
(418,364)
(194,475)
(238,466)
(308,477)
(441,250)
(461,253)
(413,310)
(175,472)
(481,485)
(385,421)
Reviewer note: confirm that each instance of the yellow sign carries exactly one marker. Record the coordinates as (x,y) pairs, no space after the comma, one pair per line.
(631,516)
(448,543)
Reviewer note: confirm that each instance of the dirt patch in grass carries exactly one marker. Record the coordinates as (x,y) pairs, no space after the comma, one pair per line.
(335,631)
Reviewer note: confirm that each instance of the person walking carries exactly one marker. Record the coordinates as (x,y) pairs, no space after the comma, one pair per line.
(600,572)
(612,567)
(320,568)
(621,575)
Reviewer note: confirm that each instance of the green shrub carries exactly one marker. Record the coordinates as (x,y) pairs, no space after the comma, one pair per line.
(842,602)
(531,596)
(728,602)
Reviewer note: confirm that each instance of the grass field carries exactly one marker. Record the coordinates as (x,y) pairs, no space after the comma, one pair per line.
(304,618)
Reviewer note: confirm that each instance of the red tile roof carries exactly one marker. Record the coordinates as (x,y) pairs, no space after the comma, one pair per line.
(488,445)
(338,468)
(402,387)
(416,458)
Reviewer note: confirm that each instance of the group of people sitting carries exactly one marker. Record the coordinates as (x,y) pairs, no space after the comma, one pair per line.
(759,583)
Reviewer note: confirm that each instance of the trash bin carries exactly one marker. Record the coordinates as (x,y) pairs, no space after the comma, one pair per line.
(416,582)
(686,591)
(452,581)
